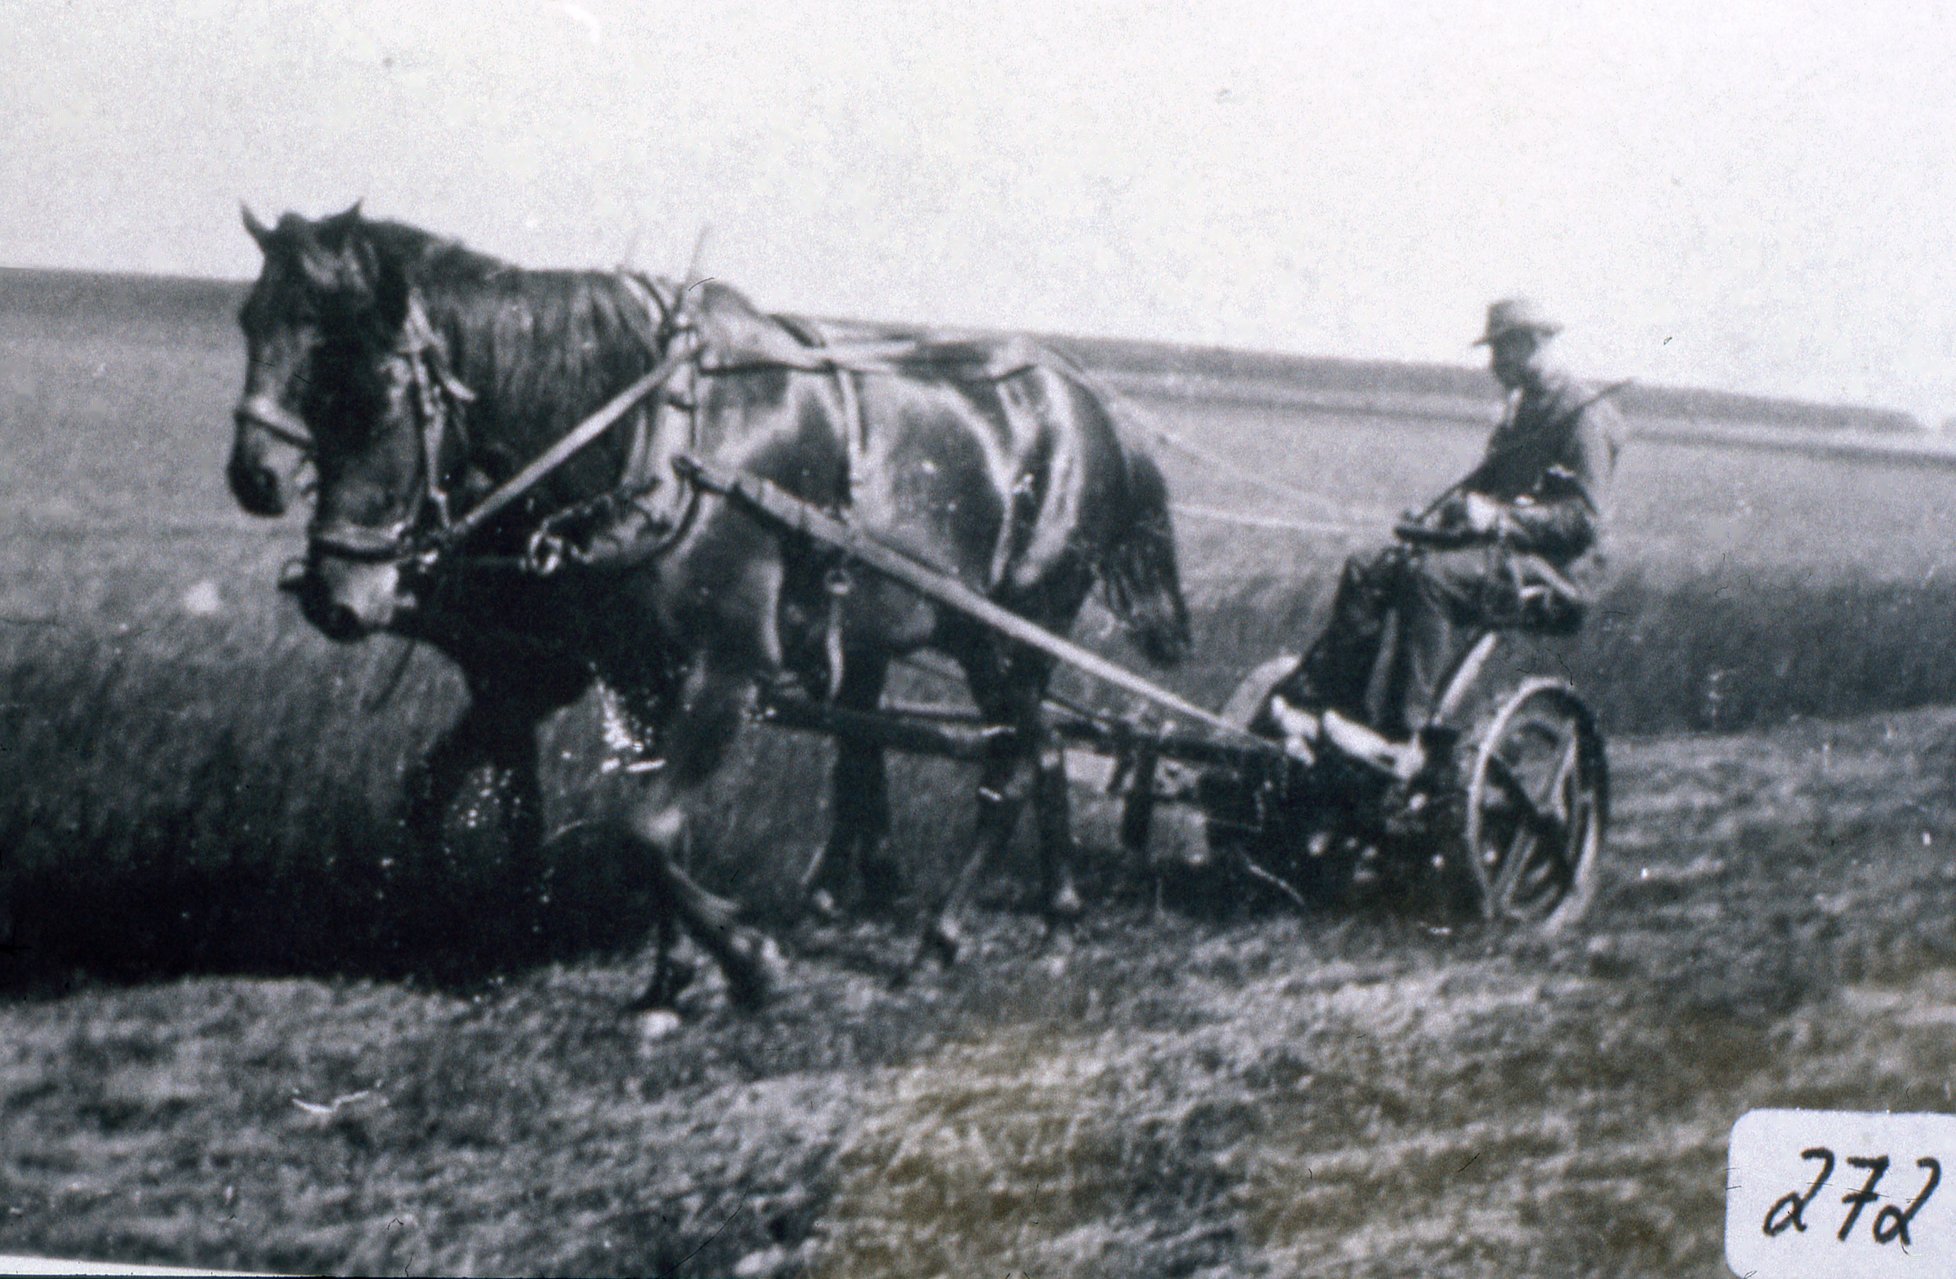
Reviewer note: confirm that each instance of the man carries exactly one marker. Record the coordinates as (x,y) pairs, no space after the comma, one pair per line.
(1508,547)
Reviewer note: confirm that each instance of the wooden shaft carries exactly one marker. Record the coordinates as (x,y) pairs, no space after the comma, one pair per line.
(878,728)
(957,734)
(1185,748)
(778,507)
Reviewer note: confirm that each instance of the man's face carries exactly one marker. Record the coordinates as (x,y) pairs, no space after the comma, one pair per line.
(1512,356)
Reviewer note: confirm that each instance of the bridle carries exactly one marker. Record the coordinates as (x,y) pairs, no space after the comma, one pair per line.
(439,400)
(431,534)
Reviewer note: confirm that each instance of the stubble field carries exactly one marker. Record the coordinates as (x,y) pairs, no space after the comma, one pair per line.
(250,1026)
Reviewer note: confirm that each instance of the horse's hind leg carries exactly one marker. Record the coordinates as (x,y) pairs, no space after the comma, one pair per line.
(1053,809)
(1006,780)
(1052,805)
(859,807)
(1003,787)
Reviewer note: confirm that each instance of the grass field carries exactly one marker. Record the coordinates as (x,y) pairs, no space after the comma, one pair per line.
(218,919)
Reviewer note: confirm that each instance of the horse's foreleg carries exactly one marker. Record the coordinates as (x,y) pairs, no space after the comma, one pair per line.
(433,783)
(670,976)
(519,786)
(502,735)
(713,921)
(697,737)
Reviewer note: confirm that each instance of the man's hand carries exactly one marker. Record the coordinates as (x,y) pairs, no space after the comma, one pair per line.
(1480,513)
(1469,513)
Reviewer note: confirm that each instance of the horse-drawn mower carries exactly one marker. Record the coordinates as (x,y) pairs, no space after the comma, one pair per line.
(1497,814)
(934,464)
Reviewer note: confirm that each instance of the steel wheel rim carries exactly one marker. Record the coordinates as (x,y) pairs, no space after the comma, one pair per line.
(1536,806)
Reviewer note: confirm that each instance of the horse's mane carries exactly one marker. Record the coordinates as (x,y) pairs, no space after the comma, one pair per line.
(428,257)
(540,349)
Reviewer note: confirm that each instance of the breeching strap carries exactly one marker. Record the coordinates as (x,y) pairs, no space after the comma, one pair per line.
(681,350)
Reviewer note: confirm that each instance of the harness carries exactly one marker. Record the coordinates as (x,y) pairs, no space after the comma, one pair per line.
(651,507)
(657,496)
(439,399)
(654,502)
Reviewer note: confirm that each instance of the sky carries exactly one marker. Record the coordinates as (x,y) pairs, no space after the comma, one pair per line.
(1754,197)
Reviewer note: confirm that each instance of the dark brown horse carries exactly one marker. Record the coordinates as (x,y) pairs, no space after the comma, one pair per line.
(422,375)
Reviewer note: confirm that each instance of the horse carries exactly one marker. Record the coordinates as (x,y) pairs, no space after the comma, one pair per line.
(422,375)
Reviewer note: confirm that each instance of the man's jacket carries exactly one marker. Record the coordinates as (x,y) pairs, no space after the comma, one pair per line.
(1550,463)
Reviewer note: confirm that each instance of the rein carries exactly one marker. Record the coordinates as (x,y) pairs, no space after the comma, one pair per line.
(439,398)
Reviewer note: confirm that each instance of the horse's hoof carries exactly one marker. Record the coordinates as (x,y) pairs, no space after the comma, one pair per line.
(1059,934)
(882,887)
(941,941)
(663,994)
(656,1024)
(752,978)
(1066,906)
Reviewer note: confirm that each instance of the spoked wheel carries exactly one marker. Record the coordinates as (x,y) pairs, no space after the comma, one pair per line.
(1538,798)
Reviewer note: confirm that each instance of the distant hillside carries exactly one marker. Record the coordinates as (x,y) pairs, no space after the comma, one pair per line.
(158,308)
(138,308)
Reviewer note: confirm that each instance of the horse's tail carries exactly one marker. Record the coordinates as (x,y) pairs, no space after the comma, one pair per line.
(1139,573)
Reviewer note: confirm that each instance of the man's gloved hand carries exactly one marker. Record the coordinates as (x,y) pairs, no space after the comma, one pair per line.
(1468,513)
(1480,513)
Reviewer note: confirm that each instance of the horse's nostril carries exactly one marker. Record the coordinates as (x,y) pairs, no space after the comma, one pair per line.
(334,620)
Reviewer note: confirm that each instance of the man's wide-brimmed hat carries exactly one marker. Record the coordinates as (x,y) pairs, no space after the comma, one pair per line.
(1511,315)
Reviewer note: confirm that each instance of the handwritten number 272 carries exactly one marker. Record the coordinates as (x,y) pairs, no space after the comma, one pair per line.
(1890,1224)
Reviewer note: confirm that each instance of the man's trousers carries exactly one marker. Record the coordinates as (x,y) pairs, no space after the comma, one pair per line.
(1425,606)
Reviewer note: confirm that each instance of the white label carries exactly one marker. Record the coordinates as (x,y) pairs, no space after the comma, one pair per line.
(1841,1194)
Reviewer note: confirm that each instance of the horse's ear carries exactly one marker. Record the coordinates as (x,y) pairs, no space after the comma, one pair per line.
(259,231)
(340,223)
(339,254)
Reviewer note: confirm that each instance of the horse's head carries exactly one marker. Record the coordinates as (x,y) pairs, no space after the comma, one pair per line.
(330,368)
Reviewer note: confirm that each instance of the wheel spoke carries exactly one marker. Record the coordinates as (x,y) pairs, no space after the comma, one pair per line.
(1537,799)
(1544,829)
(1527,808)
